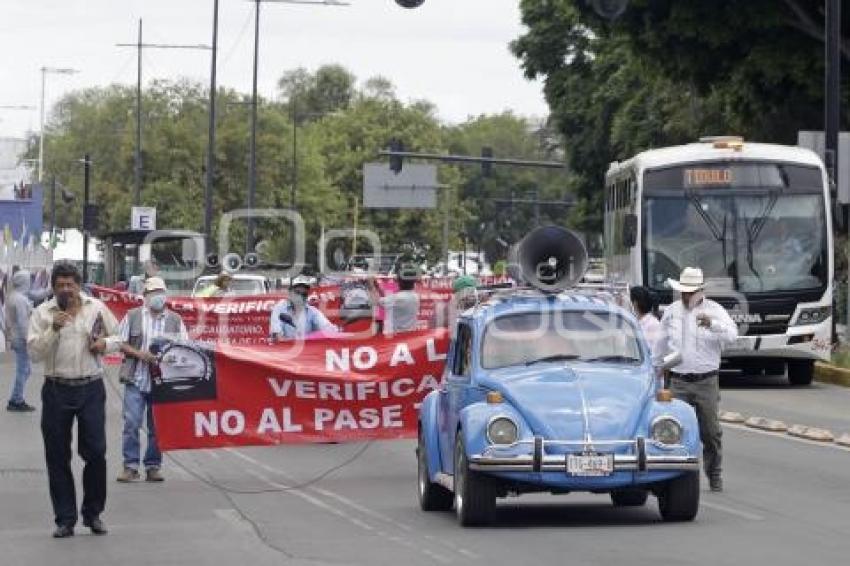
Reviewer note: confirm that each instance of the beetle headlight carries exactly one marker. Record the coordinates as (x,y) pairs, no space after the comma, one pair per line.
(666,430)
(502,430)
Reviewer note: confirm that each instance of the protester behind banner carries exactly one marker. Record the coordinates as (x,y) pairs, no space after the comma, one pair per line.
(294,318)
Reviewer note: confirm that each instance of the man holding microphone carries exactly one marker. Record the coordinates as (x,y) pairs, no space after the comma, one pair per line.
(70,333)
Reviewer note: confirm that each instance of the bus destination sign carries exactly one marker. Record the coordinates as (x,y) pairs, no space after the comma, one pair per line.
(708,177)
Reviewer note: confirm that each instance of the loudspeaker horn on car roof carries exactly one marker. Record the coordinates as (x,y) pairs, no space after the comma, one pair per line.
(551,258)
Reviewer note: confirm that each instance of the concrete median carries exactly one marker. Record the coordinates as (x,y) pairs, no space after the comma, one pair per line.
(828,373)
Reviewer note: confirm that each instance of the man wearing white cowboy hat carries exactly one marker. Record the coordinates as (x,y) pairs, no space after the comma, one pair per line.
(698,328)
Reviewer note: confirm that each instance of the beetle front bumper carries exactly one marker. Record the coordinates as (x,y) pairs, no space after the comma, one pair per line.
(505,459)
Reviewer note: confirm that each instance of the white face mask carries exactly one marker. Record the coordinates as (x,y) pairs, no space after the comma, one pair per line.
(156,302)
(694,300)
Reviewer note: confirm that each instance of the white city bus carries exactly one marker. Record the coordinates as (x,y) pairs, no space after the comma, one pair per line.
(755,217)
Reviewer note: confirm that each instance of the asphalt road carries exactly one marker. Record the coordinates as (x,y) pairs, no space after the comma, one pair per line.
(786,502)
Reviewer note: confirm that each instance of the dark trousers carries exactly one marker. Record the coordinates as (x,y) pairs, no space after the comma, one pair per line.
(61,404)
(704,397)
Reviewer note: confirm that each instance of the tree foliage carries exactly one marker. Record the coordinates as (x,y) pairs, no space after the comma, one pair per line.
(667,71)
(336,127)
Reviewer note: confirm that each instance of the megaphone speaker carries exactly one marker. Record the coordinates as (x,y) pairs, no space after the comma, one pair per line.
(212,260)
(232,262)
(252,260)
(551,258)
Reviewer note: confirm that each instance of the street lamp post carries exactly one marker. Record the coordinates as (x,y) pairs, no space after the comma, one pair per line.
(137,160)
(252,171)
(44,71)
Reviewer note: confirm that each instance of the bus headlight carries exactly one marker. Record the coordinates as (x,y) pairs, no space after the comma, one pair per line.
(814,315)
(502,430)
(666,430)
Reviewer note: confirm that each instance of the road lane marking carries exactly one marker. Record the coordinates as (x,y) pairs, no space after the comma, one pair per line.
(341,513)
(362,508)
(730,510)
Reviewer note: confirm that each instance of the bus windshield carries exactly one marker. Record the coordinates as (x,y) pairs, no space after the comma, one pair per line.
(748,239)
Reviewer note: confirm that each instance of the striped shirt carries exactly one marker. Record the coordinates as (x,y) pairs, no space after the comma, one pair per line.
(152,327)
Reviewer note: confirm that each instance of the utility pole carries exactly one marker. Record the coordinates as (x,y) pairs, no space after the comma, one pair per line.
(137,160)
(52,210)
(139,46)
(832,86)
(208,187)
(252,171)
(293,103)
(86,186)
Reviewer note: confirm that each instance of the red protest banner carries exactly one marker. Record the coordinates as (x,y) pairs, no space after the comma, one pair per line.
(340,388)
(244,320)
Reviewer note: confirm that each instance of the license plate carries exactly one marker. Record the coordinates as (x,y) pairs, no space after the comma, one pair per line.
(590,464)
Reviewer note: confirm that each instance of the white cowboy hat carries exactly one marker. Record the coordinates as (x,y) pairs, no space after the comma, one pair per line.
(154,284)
(690,281)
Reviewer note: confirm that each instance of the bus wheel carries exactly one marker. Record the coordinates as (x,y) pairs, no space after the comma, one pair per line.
(801,372)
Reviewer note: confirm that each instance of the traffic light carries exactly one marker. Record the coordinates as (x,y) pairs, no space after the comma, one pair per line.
(91,217)
(486,166)
(409,3)
(396,160)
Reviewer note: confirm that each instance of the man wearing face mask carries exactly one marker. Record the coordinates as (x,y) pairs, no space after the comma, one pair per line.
(292,318)
(698,328)
(139,330)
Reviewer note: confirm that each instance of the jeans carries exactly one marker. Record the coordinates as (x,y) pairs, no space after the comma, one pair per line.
(61,404)
(138,408)
(22,372)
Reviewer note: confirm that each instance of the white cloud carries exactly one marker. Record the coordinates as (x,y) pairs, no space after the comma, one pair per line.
(451,52)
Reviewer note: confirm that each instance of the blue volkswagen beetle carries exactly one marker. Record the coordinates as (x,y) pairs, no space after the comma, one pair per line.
(546,392)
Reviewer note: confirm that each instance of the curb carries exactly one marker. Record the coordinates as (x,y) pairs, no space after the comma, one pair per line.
(766,424)
(811,433)
(731,417)
(804,432)
(828,373)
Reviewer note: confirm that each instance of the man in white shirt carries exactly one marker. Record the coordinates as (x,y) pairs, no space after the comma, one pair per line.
(70,333)
(698,328)
(401,309)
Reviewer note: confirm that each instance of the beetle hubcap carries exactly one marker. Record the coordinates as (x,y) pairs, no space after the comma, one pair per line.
(423,472)
(459,477)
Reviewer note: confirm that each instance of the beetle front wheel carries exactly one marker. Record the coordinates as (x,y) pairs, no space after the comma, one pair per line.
(475,494)
(432,497)
(678,500)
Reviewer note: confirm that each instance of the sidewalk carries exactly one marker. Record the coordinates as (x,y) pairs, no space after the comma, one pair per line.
(181,521)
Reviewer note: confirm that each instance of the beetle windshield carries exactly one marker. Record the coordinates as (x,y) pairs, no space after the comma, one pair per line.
(538,337)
